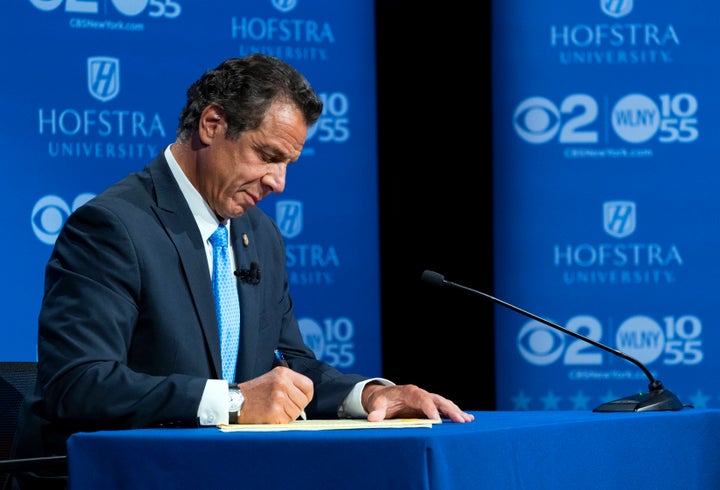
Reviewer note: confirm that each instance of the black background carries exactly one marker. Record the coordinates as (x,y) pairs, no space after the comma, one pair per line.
(435,176)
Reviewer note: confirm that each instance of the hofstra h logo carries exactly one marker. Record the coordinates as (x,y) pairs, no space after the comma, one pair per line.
(289,217)
(616,8)
(103,77)
(284,5)
(619,218)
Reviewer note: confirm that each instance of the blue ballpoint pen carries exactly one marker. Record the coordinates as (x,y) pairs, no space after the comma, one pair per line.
(280,359)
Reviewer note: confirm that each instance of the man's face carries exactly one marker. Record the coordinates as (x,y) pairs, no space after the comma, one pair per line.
(234,175)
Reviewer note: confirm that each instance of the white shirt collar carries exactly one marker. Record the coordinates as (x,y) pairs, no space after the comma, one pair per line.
(204,216)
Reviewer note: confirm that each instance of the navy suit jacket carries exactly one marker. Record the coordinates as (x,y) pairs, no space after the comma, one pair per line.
(127,331)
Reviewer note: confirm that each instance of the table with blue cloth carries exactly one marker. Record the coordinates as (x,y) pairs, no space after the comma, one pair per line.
(499,450)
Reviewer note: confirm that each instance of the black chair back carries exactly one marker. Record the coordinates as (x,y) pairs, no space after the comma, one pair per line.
(17,379)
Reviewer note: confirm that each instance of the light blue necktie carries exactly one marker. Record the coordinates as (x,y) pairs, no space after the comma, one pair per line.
(227,302)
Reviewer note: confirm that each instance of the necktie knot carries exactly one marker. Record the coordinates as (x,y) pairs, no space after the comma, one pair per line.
(219,239)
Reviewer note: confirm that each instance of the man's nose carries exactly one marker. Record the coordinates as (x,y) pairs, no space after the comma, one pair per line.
(275,178)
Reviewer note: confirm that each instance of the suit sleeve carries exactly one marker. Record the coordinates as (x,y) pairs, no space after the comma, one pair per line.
(90,313)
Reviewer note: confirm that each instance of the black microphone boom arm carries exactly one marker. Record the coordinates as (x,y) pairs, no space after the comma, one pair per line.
(657,399)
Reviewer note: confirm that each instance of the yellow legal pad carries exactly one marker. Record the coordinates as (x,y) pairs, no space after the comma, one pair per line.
(333,424)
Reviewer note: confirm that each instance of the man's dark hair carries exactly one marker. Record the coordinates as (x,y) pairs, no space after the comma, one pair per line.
(244,88)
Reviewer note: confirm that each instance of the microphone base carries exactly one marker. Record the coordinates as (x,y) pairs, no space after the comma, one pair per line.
(658,400)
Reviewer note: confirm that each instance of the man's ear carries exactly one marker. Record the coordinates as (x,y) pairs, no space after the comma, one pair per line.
(212,124)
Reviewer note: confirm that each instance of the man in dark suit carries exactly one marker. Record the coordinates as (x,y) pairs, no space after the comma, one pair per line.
(128,333)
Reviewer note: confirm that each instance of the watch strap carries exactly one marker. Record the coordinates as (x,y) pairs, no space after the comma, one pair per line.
(233,415)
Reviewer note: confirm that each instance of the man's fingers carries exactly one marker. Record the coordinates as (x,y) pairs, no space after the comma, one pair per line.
(377,415)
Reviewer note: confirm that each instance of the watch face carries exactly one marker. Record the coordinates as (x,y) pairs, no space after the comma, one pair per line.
(236,400)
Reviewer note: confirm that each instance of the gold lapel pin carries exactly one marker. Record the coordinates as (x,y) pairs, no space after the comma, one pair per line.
(245,239)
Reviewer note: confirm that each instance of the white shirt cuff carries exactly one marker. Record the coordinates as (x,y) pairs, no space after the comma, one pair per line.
(352,406)
(215,403)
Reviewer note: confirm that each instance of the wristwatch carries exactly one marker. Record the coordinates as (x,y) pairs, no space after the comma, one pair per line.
(237,400)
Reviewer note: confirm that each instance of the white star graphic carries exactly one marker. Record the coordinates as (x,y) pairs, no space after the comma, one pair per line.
(521,401)
(550,401)
(580,401)
(699,399)
(609,396)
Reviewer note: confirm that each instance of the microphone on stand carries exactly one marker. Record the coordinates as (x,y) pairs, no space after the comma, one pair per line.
(657,399)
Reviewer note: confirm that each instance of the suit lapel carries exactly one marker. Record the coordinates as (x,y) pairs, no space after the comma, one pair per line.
(179,224)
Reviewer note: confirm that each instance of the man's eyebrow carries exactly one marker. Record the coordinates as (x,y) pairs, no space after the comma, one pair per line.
(276,154)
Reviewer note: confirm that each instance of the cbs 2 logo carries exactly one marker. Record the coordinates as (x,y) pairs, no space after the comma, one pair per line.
(635,118)
(158,8)
(677,340)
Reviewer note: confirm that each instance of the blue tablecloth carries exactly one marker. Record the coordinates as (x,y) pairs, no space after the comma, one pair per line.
(499,450)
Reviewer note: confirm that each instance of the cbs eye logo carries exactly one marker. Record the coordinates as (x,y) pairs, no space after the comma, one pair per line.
(49,215)
(537,120)
(540,344)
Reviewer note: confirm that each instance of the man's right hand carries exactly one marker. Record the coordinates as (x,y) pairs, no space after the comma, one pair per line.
(276,397)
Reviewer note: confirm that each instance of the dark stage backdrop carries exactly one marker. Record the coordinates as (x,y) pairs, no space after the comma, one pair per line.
(435,162)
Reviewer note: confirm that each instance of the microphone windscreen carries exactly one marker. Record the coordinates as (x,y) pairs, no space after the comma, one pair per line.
(433,278)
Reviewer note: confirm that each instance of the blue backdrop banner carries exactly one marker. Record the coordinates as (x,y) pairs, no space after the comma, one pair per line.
(93,91)
(605,194)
